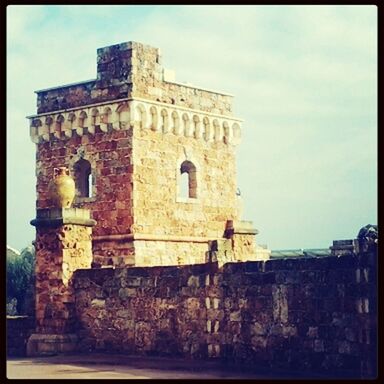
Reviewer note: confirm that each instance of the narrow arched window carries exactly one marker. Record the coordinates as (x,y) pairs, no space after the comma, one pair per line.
(83,178)
(188,183)
(184,185)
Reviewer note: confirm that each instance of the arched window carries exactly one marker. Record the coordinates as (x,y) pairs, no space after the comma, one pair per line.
(188,183)
(83,178)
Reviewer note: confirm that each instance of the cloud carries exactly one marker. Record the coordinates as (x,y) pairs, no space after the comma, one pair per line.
(20,19)
(304,80)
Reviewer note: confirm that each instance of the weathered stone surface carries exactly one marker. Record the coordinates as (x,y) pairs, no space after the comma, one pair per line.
(136,130)
(195,312)
(59,252)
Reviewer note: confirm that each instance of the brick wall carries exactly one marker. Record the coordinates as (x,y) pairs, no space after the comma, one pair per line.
(309,315)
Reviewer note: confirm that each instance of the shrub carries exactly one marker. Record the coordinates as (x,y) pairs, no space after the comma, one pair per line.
(21,282)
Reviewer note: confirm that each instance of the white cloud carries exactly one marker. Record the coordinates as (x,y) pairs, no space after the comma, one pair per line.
(19,19)
(304,80)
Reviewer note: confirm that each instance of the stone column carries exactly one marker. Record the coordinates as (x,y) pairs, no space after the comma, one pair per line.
(63,244)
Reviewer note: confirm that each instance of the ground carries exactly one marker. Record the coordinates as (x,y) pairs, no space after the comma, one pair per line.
(113,366)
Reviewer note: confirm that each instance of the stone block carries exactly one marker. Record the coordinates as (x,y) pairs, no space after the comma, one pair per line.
(50,344)
(259,342)
(235,316)
(126,293)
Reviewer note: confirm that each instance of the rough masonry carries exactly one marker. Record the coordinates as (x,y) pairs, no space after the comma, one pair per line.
(309,315)
(170,268)
(63,245)
(133,139)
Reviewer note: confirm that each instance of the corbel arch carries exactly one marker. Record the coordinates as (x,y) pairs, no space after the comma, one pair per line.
(154,120)
(34,130)
(164,121)
(95,120)
(217,129)
(227,132)
(105,119)
(48,128)
(207,129)
(176,129)
(122,117)
(197,129)
(59,126)
(141,116)
(186,129)
(69,124)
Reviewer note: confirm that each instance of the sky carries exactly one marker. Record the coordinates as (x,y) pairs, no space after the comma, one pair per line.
(304,80)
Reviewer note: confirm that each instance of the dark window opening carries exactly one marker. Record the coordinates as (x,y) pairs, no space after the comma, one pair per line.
(188,183)
(83,178)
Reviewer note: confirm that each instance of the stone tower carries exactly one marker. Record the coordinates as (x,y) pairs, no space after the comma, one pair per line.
(153,160)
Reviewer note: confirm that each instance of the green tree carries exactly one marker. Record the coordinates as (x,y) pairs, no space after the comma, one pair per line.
(21,281)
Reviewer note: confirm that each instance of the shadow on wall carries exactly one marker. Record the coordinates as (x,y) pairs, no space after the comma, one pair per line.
(312,315)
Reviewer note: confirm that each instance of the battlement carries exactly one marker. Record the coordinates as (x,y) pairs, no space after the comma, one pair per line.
(133,89)
(130,70)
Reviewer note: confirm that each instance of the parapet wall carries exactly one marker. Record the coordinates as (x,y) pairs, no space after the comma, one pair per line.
(131,70)
(311,315)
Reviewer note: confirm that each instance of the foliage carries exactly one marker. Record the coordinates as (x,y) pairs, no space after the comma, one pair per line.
(21,281)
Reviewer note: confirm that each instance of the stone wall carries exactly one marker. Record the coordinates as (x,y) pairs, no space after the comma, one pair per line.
(309,315)
(110,157)
(136,130)
(19,329)
(170,252)
(157,197)
(131,70)
(136,189)
(59,252)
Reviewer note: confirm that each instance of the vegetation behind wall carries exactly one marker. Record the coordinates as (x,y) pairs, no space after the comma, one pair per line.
(21,282)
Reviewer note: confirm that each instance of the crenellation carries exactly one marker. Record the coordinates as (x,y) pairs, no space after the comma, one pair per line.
(136,72)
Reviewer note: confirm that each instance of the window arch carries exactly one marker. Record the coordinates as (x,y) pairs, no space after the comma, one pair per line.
(83,178)
(188,182)
(154,118)
(59,126)
(176,123)
(164,121)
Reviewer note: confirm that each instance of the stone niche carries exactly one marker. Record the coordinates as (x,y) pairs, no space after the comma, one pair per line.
(153,159)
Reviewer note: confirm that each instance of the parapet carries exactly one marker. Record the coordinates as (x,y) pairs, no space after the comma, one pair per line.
(131,88)
(131,70)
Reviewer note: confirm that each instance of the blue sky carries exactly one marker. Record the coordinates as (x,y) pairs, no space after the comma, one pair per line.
(304,80)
